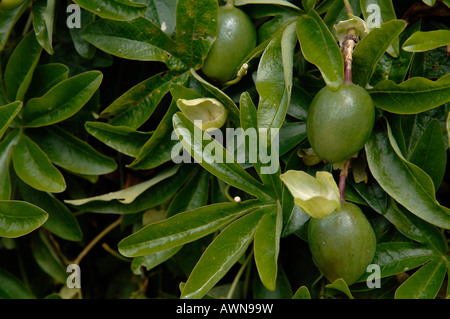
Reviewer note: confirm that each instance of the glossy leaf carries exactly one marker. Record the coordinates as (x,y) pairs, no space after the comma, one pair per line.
(43,21)
(138,39)
(7,114)
(62,101)
(422,41)
(155,195)
(274,2)
(152,260)
(121,138)
(47,259)
(267,245)
(61,221)
(405,182)
(430,154)
(195,30)
(274,80)
(45,77)
(158,148)
(375,13)
(115,9)
(83,48)
(182,228)
(34,168)
(13,288)
(71,153)
(302,293)
(135,106)
(20,218)
(221,164)
(20,67)
(412,96)
(371,48)
(233,111)
(425,282)
(6,150)
(8,19)
(312,33)
(129,194)
(221,255)
(249,123)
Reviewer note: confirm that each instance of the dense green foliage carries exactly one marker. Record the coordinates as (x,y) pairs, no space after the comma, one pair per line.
(97,158)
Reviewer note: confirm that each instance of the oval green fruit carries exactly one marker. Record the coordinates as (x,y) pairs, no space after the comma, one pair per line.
(10,4)
(342,244)
(340,122)
(236,37)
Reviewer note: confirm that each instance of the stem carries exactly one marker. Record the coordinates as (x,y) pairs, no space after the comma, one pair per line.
(96,240)
(238,276)
(348,8)
(343,179)
(229,3)
(347,52)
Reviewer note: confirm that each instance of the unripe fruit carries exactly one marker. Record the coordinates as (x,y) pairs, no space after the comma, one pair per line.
(10,4)
(236,37)
(342,244)
(340,122)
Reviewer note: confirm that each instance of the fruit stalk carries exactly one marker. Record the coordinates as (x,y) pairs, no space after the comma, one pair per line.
(343,179)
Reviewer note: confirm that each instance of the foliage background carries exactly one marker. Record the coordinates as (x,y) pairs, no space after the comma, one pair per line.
(36,57)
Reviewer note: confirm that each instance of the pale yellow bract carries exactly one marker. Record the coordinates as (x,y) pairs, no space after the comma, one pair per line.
(209,112)
(317,196)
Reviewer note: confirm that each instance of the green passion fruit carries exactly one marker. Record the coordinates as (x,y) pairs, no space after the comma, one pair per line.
(10,4)
(340,122)
(342,244)
(236,37)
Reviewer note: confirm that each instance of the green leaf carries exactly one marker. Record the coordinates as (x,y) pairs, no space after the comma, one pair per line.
(6,149)
(313,33)
(43,21)
(158,148)
(215,158)
(61,221)
(19,218)
(380,11)
(233,110)
(405,182)
(274,2)
(66,151)
(422,41)
(412,96)
(425,282)
(267,245)
(341,286)
(7,114)
(430,153)
(152,260)
(13,288)
(221,255)
(134,107)
(114,9)
(193,195)
(182,228)
(45,77)
(8,19)
(302,293)
(129,194)
(398,257)
(33,167)
(47,259)
(137,39)
(249,120)
(371,48)
(196,30)
(21,65)
(121,138)
(274,79)
(62,101)
(152,197)
(83,48)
